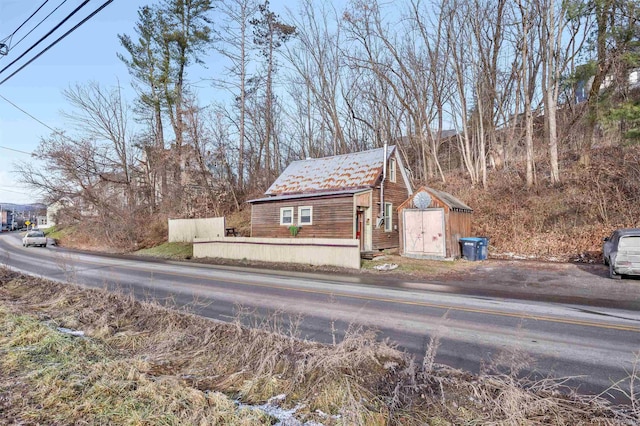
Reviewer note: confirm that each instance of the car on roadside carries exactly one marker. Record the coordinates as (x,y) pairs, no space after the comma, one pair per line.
(34,238)
(621,252)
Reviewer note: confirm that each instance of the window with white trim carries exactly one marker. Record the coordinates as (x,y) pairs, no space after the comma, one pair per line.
(305,215)
(388,217)
(392,170)
(286,216)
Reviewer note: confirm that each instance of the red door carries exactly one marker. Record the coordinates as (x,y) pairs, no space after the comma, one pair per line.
(360,228)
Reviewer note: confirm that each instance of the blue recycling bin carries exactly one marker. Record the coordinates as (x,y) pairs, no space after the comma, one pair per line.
(474,248)
(484,248)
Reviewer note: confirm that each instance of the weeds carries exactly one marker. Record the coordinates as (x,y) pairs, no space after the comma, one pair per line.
(141,363)
(632,393)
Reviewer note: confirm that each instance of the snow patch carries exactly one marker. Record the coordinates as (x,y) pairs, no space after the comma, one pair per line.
(284,417)
(76,333)
(386,267)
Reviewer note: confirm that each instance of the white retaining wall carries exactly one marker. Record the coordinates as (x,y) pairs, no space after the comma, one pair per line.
(310,251)
(185,230)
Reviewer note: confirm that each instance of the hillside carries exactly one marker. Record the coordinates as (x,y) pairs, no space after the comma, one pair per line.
(563,222)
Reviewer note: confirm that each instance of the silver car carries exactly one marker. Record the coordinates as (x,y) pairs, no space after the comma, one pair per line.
(34,238)
(621,251)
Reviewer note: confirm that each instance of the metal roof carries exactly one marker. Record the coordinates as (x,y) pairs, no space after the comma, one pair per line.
(340,172)
(450,200)
(307,195)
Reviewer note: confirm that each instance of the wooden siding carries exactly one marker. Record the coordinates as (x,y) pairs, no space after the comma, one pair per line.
(395,193)
(457,224)
(363,200)
(333,217)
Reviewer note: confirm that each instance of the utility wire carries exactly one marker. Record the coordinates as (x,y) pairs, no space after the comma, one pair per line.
(15,192)
(57,132)
(16,150)
(95,12)
(27,20)
(25,112)
(76,10)
(13,45)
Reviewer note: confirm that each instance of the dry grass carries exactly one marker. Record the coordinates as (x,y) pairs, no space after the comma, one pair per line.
(141,363)
(561,222)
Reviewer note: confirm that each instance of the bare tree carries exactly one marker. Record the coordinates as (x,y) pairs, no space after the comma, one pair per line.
(407,65)
(95,168)
(234,43)
(270,33)
(318,61)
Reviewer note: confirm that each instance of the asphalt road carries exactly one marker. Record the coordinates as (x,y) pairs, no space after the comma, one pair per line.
(593,344)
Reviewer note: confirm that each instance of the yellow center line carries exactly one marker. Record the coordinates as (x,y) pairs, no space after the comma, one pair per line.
(585,323)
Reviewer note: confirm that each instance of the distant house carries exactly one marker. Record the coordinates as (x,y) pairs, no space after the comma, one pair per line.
(54,208)
(42,222)
(344,196)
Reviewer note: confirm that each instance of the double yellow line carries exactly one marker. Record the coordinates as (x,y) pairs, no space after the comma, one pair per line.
(553,319)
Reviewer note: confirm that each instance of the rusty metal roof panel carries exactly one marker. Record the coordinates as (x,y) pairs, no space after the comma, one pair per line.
(451,201)
(340,172)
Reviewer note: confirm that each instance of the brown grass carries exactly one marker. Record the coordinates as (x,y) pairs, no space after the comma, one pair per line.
(561,222)
(141,363)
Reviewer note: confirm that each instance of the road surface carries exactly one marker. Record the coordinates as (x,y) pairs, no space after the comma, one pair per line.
(595,346)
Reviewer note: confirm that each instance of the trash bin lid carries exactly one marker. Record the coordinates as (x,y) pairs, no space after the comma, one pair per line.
(472,239)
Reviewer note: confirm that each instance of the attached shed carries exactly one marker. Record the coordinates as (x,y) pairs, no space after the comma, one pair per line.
(432,223)
(350,196)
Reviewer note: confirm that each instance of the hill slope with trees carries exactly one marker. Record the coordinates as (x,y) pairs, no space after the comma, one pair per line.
(526,110)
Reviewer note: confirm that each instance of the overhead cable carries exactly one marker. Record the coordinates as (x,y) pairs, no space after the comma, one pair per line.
(16,150)
(76,10)
(95,12)
(13,45)
(25,112)
(27,20)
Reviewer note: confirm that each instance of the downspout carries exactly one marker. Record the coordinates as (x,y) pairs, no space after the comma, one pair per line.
(384,176)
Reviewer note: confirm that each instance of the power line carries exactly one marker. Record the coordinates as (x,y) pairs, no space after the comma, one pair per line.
(95,12)
(8,190)
(57,132)
(36,26)
(16,150)
(27,20)
(25,112)
(33,46)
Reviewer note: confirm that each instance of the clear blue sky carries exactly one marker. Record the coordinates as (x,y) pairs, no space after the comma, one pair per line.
(87,54)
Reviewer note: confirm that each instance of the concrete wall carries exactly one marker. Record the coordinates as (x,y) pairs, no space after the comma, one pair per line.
(185,230)
(310,251)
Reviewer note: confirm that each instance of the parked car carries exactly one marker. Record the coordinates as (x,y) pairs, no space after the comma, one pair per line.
(34,238)
(621,251)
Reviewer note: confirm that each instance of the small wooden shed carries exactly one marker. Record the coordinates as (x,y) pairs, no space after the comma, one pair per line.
(432,223)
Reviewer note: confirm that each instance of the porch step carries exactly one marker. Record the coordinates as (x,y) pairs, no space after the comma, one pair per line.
(370,255)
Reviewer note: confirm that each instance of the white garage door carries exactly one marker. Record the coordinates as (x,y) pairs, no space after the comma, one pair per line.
(424,232)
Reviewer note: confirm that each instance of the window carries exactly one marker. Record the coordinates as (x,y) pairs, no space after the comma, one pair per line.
(388,217)
(305,215)
(286,216)
(629,242)
(392,170)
